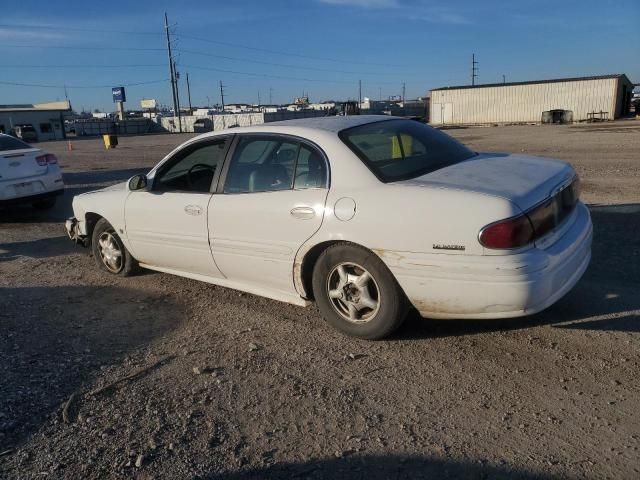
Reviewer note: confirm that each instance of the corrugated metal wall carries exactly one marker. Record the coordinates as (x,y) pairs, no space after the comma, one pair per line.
(522,103)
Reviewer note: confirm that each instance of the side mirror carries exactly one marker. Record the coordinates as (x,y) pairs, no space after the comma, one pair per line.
(138,182)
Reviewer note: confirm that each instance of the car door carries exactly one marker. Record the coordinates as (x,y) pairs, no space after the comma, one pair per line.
(270,202)
(166,224)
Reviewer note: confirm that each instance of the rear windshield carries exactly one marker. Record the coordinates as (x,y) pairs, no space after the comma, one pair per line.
(402,149)
(11,143)
(27,128)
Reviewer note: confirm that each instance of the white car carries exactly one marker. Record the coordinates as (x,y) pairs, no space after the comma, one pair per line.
(28,175)
(366,215)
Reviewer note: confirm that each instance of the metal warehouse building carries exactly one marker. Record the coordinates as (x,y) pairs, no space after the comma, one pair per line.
(46,118)
(601,97)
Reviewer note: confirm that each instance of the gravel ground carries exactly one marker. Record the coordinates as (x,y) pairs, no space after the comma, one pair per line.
(156,376)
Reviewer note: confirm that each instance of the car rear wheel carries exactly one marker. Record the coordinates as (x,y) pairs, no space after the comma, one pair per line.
(44,204)
(356,293)
(110,253)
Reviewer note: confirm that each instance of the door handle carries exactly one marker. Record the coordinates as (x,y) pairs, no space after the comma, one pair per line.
(303,213)
(193,210)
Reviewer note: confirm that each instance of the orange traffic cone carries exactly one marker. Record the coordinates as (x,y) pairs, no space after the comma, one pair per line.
(69,145)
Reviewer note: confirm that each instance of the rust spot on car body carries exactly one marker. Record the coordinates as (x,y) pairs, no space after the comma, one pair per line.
(388,254)
(298,283)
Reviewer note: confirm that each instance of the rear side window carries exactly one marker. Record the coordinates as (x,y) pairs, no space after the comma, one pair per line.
(11,143)
(271,163)
(397,150)
(311,170)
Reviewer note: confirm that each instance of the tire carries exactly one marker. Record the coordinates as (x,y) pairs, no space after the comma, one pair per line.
(109,252)
(356,293)
(44,204)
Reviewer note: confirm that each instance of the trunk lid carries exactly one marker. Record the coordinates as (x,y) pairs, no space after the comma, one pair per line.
(17,164)
(524,180)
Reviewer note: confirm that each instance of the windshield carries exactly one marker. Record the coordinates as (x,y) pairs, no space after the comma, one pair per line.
(401,149)
(11,143)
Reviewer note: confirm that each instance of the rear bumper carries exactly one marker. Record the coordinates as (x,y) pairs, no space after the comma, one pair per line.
(453,286)
(31,198)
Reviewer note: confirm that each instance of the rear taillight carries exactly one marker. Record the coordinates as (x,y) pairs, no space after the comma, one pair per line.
(534,223)
(46,159)
(511,233)
(543,218)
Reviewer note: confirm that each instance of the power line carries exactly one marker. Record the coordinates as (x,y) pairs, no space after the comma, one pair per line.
(158,65)
(87,66)
(262,62)
(289,54)
(75,29)
(19,84)
(282,77)
(75,47)
(186,36)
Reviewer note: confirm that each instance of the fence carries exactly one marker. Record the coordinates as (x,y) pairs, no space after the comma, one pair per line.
(135,126)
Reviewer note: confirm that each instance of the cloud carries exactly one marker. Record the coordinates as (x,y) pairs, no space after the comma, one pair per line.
(451,18)
(26,33)
(364,3)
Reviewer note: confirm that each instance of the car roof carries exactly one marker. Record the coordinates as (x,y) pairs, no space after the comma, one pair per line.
(332,123)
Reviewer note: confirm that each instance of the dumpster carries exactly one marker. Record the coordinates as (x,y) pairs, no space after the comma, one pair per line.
(110,141)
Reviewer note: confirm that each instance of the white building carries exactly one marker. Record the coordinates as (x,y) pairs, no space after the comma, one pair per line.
(322,106)
(606,96)
(46,118)
(238,108)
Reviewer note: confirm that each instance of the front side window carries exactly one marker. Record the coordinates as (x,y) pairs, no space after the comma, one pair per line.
(402,149)
(45,127)
(272,163)
(193,170)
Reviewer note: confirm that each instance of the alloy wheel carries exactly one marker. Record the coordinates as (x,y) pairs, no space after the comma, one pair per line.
(110,252)
(353,292)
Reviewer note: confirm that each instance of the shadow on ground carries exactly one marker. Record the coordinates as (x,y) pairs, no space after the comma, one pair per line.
(75,184)
(373,467)
(55,340)
(606,298)
(42,248)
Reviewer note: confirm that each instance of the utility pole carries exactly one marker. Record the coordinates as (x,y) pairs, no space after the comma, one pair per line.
(474,69)
(222,95)
(404,89)
(270,96)
(359,93)
(177,74)
(189,94)
(504,79)
(258,97)
(172,76)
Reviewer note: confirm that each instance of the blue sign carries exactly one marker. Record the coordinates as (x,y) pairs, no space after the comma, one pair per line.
(118,94)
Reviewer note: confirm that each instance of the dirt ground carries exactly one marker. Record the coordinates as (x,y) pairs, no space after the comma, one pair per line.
(154,376)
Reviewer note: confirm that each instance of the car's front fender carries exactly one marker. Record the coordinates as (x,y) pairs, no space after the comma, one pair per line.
(108,203)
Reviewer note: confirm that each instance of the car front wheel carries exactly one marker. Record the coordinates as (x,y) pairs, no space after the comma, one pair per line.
(356,292)
(110,253)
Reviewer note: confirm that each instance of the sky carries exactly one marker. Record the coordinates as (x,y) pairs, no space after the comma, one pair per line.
(278,49)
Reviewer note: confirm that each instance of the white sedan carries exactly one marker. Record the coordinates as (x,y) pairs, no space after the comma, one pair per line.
(28,175)
(366,215)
